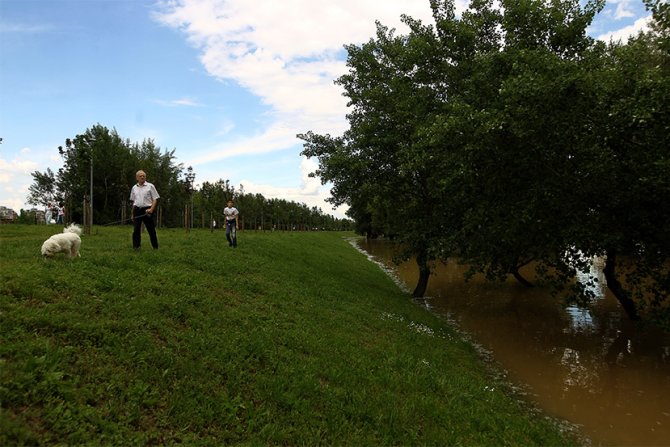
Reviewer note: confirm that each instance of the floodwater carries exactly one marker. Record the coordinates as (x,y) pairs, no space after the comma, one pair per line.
(591,367)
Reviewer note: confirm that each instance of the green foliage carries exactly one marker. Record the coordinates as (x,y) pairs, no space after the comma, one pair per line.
(508,136)
(114,162)
(292,338)
(27,217)
(384,167)
(259,213)
(43,191)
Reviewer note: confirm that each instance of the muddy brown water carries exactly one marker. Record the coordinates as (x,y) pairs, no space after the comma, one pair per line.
(591,367)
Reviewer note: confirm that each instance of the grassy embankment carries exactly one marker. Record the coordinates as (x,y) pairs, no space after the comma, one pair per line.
(292,338)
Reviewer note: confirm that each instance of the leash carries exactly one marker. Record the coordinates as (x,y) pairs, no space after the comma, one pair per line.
(124,220)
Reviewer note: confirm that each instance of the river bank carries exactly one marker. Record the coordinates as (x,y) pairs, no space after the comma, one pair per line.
(292,338)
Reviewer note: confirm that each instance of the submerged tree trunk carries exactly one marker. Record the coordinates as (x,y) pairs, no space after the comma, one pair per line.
(521,279)
(424,274)
(617,289)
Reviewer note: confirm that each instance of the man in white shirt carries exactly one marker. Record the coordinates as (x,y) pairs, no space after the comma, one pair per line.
(232,225)
(145,198)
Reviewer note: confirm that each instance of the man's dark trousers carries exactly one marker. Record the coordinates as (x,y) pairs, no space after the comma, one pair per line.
(142,216)
(231,233)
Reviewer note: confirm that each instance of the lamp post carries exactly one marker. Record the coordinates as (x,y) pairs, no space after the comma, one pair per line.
(90,199)
(192,193)
(190,177)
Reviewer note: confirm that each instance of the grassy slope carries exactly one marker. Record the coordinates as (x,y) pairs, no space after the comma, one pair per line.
(291,338)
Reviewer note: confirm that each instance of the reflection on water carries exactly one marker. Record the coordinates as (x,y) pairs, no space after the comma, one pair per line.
(592,367)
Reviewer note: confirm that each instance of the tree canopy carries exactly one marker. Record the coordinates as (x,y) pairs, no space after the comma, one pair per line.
(508,136)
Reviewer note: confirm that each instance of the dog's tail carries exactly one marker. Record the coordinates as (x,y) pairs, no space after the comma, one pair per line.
(73,228)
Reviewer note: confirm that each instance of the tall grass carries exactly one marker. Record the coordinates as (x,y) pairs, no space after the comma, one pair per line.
(292,338)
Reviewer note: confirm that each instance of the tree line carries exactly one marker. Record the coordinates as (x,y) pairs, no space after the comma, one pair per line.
(114,162)
(508,137)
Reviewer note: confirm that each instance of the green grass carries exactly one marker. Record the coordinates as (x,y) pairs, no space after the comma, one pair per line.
(292,338)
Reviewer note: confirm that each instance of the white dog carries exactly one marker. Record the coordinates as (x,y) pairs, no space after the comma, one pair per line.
(67,242)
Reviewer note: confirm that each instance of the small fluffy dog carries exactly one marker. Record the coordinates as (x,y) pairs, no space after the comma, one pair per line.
(67,242)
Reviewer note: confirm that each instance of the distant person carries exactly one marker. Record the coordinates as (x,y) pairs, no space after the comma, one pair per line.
(48,215)
(231,214)
(145,198)
(61,214)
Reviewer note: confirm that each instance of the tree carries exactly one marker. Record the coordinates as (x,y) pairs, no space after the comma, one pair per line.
(519,113)
(432,137)
(108,157)
(568,156)
(27,217)
(162,171)
(631,221)
(43,191)
(113,162)
(213,197)
(504,135)
(385,164)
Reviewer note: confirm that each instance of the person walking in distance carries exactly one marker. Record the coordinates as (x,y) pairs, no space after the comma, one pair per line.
(48,215)
(232,225)
(61,214)
(145,198)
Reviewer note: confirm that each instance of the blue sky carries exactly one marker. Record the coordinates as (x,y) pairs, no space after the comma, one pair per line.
(227,84)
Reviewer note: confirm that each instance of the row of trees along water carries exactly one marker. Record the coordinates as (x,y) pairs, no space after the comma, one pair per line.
(507,136)
(115,162)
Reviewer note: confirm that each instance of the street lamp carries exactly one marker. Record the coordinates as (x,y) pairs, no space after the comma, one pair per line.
(190,177)
(91,140)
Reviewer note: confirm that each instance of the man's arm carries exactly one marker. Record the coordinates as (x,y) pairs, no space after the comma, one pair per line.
(132,201)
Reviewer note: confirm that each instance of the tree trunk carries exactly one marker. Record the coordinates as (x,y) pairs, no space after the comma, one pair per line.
(521,279)
(617,289)
(424,274)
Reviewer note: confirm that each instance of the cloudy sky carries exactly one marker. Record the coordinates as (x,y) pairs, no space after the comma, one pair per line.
(227,84)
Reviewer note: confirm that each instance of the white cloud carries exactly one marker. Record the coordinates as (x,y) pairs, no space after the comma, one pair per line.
(188,102)
(627,32)
(309,184)
(275,138)
(288,29)
(15,204)
(286,53)
(624,9)
(141,133)
(10,170)
(15,179)
(22,28)
(311,192)
(225,127)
